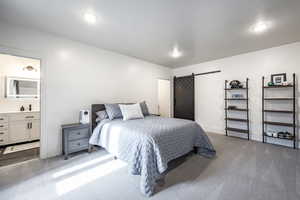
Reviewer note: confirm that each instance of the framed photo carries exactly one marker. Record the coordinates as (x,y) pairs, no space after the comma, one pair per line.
(278,79)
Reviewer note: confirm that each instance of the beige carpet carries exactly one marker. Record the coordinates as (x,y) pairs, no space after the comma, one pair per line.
(242,170)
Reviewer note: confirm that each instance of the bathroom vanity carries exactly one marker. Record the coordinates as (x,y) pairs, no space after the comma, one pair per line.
(16,127)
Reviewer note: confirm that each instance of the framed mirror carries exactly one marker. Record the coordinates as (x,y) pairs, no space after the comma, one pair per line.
(17,87)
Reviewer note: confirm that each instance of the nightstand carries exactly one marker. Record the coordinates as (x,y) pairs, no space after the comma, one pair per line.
(75,137)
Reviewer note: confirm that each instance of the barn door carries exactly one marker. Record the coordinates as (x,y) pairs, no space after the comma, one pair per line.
(184,97)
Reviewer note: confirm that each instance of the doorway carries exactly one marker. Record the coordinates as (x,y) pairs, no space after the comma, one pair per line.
(19,109)
(164,98)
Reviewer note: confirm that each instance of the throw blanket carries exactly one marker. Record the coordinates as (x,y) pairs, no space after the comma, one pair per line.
(148,144)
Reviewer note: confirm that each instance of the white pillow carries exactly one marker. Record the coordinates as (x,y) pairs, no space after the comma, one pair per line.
(132,111)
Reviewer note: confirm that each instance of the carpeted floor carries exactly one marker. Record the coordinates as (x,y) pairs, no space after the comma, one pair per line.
(242,170)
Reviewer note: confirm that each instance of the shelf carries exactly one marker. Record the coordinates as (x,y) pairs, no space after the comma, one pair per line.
(288,99)
(279,111)
(236,88)
(279,86)
(279,124)
(280,138)
(237,119)
(278,99)
(237,130)
(237,109)
(236,99)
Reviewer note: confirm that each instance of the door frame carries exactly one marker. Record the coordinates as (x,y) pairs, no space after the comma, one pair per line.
(35,55)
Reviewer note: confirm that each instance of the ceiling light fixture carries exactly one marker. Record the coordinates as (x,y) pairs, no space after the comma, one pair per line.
(175,53)
(260,27)
(29,69)
(90,18)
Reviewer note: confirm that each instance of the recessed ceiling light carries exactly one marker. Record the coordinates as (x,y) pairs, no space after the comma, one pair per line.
(90,18)
(175,53)
(260,27)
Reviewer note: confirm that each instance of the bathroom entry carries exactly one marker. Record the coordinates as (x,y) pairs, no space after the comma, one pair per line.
(19,109)
(164,98)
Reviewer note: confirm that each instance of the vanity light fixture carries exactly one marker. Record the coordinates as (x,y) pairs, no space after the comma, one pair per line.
(29,68)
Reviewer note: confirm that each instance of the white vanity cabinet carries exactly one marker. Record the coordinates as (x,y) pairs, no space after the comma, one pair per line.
(19,127)
(35,130)
(18,132)
(3,129)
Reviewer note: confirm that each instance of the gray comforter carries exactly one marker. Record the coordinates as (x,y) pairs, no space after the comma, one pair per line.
(148,144)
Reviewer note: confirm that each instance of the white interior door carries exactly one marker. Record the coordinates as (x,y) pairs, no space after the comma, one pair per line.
(164,98)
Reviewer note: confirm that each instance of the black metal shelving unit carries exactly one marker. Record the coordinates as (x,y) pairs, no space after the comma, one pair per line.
(291,112)
(244,110)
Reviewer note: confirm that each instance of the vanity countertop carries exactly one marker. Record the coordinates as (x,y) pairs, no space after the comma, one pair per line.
(16,112)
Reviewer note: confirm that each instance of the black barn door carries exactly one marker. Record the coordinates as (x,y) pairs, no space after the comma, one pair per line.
(184,97)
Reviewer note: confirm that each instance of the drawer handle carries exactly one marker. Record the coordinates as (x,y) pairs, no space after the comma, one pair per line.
(29,117)
(1,133)
(78,144)
(1,118)
(1,140)
(1,126)
(78,133)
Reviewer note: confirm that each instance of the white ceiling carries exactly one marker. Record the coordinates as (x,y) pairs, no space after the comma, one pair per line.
(148,29)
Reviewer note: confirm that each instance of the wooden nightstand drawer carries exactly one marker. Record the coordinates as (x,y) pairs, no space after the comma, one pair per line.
(78,145)
(78,134)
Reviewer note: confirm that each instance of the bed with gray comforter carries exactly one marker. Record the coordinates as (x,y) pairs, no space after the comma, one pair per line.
(148,144)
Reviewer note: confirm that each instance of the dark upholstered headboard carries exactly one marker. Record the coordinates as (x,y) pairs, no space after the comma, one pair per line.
(95,108)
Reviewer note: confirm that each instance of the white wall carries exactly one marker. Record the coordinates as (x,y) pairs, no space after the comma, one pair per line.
(13,66)
(210,88)
(75,75)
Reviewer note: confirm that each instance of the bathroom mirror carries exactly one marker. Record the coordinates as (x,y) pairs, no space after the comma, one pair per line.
(22,88)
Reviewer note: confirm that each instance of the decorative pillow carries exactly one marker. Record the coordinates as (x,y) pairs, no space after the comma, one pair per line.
(144,108)
(101,115)
(132,111)
(113,111)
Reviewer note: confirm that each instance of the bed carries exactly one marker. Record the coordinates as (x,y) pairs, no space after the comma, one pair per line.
(149,144)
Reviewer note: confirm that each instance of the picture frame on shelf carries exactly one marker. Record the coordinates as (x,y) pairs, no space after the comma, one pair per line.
(278,79)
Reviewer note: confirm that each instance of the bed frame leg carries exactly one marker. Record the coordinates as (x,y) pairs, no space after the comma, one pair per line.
(115,158)
(161,181)
(90,148)
(195,150)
